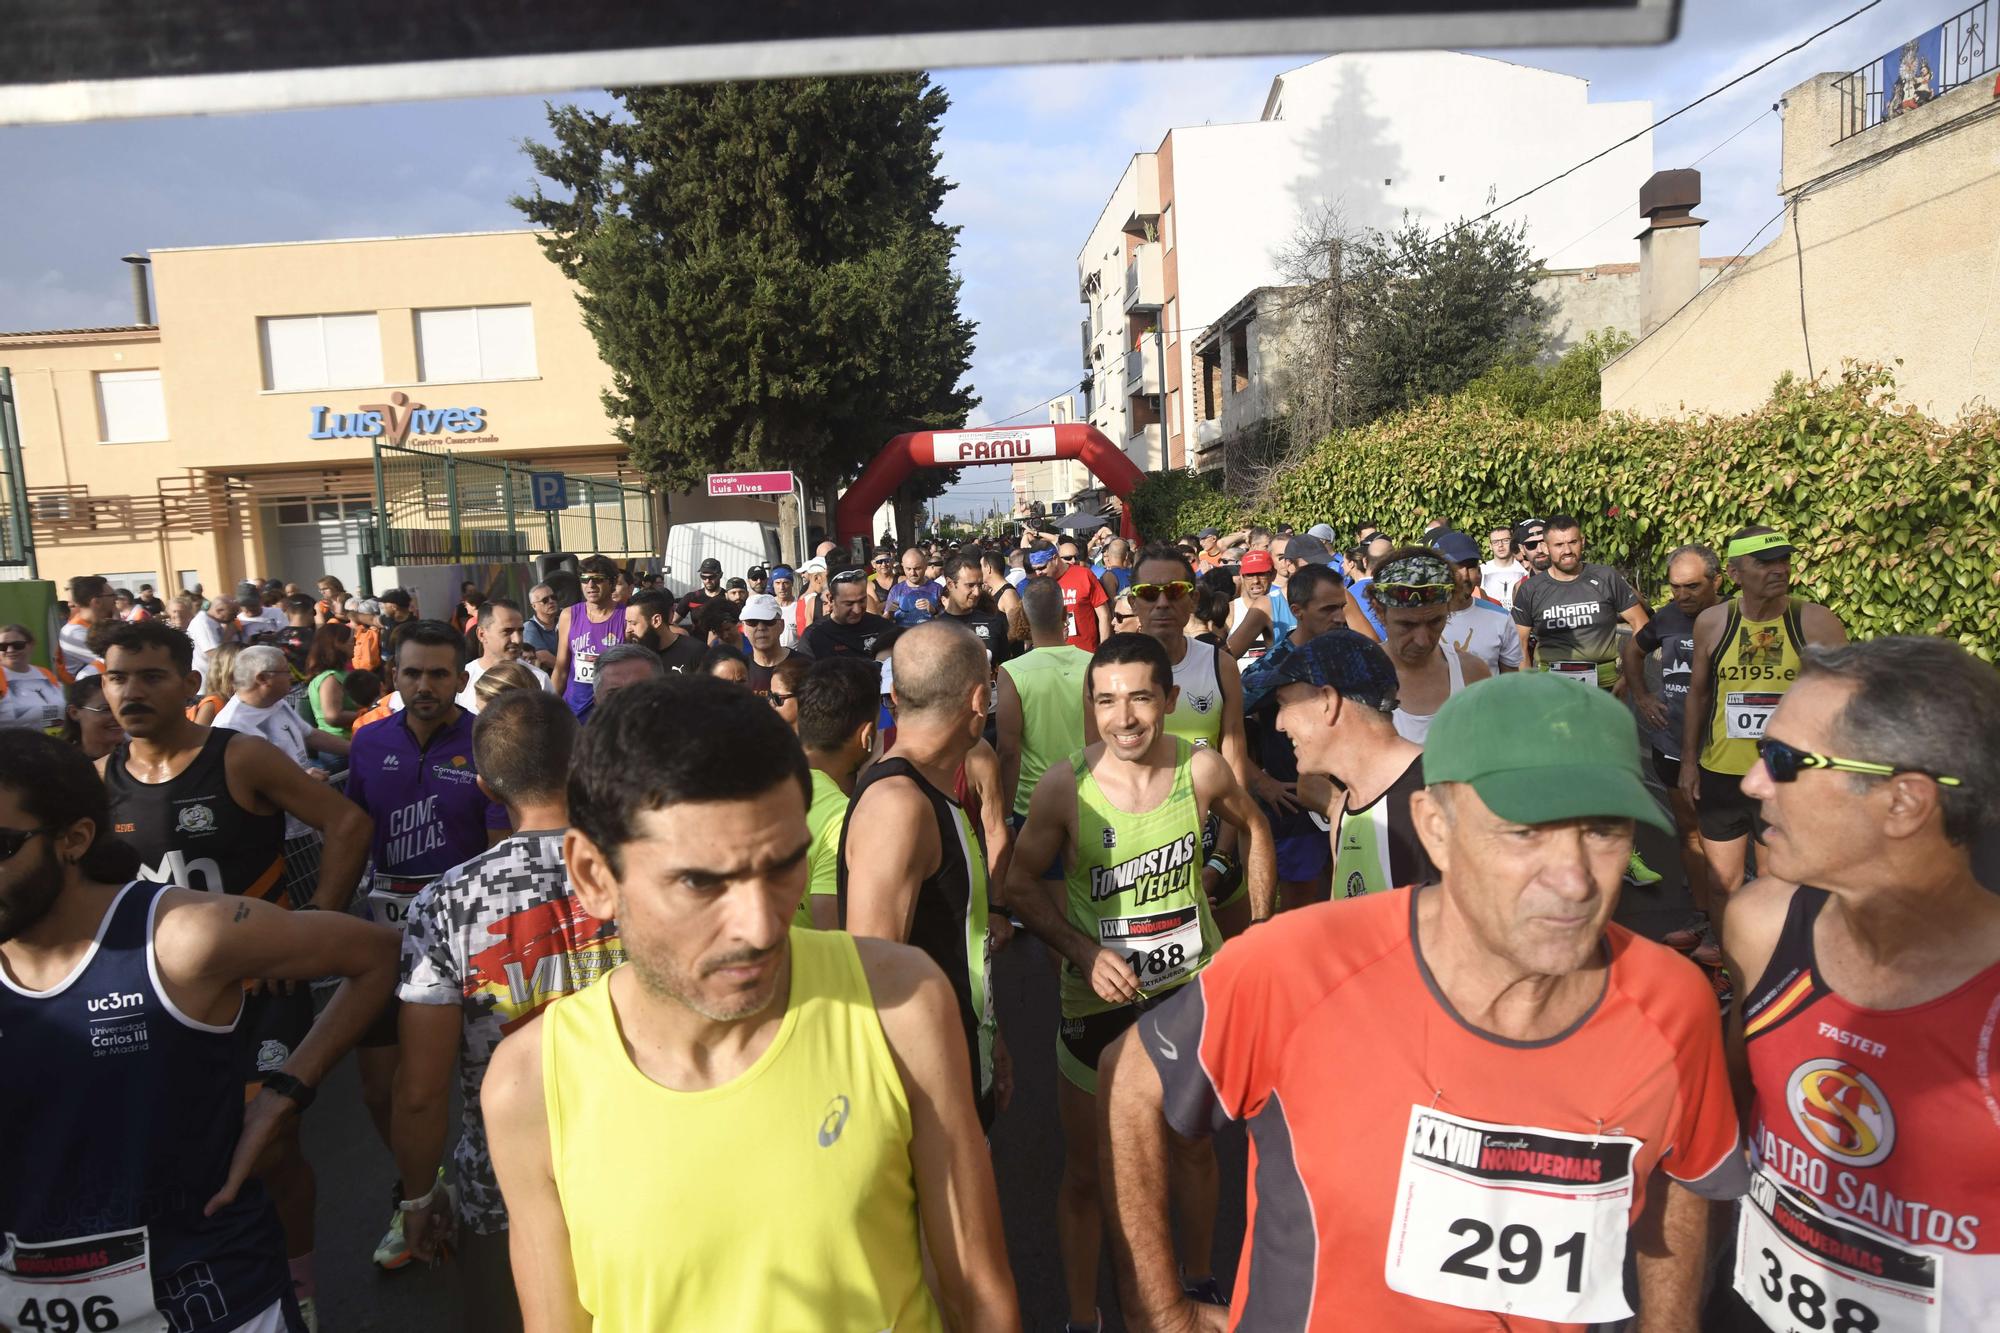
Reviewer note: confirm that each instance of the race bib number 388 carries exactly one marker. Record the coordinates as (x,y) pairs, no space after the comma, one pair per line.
(1800,1269)
(1512,1219)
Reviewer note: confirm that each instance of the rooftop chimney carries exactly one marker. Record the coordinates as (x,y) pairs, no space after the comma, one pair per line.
(142,297)
(1670,247)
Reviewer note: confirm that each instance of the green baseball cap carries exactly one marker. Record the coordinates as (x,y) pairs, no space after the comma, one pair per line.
(1538,749)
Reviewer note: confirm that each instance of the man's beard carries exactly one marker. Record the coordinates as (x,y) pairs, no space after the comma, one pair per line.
(650,638)
(30,900)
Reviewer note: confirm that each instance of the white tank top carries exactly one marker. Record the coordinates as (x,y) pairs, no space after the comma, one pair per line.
(1197,714)
(1415,726)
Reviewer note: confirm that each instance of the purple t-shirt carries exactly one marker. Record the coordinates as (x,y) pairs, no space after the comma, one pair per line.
(588,638)
(902,607)
(429,812)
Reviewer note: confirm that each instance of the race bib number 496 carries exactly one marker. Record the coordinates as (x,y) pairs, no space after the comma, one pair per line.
(1512,1219)
(91,1284)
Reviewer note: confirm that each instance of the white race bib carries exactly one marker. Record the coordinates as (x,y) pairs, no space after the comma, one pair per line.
(1512,1219)
(1799,1268)
(1584,673)
(1744,713)
(390,899)
(586,668)
(1164,948)
(91,1284)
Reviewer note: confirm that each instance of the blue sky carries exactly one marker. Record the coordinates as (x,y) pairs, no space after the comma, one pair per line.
(1034,151)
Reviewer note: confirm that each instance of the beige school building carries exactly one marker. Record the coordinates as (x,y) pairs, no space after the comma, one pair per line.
(234,435)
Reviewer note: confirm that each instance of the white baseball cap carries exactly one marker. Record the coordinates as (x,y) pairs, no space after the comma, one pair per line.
(816,565)
(759,606)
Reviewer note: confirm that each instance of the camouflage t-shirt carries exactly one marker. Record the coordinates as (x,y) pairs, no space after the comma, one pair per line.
(500,936)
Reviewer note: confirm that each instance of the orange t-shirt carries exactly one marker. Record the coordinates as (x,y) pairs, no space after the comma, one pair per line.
(367,648)
(375,714)
(1396,1150)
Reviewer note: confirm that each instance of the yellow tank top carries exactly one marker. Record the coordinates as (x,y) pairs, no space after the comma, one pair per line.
(783,1199)
(1755,662)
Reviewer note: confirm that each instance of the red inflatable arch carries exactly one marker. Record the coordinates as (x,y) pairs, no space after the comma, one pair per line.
(965,448)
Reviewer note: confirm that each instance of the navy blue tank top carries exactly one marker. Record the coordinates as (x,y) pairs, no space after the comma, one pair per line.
(121,1114)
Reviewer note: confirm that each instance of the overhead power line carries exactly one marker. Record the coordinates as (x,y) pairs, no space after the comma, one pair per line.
(1680,111)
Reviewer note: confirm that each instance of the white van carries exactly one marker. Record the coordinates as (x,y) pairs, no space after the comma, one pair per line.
(737,543)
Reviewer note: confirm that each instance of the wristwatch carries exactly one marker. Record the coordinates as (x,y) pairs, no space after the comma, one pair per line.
(285,1085)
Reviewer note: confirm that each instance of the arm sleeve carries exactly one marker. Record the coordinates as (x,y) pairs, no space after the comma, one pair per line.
(1523,613)
(1647,636)
(430,974)
(357,779)
(1510,644)
(1215,1043)
(1097,595)
(1622,596)
(1707,1150)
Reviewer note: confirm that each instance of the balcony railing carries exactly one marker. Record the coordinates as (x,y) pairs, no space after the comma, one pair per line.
(1142,370)
(1923,69)
(1145,288)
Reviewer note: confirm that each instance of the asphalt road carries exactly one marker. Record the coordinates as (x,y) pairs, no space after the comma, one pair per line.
(355,1173)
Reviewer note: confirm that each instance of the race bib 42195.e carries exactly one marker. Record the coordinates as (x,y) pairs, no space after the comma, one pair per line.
(1512,1219)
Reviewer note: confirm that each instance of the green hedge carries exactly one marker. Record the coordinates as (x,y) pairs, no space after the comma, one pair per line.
(1897,517)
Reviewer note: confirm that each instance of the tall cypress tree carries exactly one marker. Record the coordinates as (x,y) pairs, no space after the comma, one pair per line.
(762,267)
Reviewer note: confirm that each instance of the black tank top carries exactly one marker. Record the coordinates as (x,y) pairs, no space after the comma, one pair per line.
(190,831)
(950,919)
(121,1115)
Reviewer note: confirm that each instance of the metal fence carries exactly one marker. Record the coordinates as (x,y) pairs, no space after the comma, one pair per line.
(436,507)
(1921,70)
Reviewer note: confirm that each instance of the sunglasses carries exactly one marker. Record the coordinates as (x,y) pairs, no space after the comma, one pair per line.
(780,700)
(1784,762)
(12,840)
(1406,595)
(1179,590)
(850,576)
(593,578)
(13,644)
(1529,545)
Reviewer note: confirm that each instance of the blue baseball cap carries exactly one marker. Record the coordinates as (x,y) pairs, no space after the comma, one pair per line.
(1455,547)
(1352,664)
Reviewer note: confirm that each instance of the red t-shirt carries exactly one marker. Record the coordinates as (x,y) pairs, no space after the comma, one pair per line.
(1397,1150)
(1082,594)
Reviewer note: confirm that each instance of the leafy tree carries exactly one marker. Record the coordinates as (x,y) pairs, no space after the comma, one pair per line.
(762,268)
(1570,389)
(1432,312)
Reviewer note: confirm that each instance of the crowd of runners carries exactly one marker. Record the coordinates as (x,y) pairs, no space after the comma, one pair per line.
(694,900)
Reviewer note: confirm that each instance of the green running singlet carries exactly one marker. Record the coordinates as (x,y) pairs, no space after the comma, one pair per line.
(1136,886)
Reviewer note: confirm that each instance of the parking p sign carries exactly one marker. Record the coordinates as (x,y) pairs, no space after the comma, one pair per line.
(549,489)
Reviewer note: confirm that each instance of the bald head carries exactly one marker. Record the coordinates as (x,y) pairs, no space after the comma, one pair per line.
(937,665)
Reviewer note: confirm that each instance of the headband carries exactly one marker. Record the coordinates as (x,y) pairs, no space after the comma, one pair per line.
(1758,543)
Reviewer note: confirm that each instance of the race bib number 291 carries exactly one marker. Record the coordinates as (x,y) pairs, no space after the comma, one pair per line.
(1512,1219)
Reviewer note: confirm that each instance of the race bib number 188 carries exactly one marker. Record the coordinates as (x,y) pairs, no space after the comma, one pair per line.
(1512,1219)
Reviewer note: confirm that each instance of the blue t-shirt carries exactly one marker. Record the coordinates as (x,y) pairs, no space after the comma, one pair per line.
(429,812)
(901,603)
(1359,592)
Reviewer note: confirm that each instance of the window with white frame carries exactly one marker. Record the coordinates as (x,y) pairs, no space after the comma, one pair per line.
(322,351)
(130,406)
(488,342)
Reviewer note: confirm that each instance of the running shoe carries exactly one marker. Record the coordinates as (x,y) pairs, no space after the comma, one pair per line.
(1639,872)
(394,1251)
(1206,1290)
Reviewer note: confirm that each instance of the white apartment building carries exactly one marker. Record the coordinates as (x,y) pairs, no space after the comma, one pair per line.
(1202,220)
